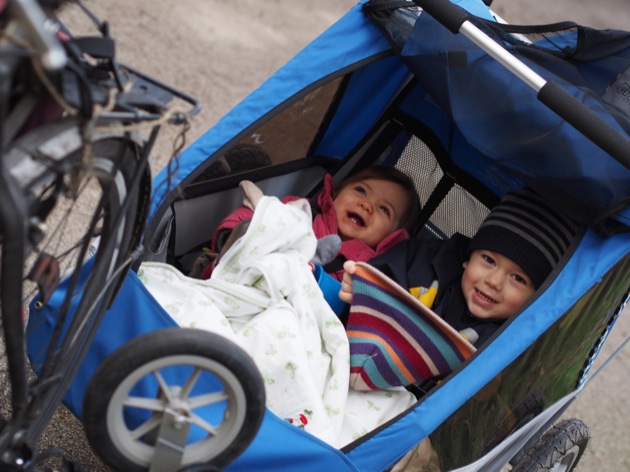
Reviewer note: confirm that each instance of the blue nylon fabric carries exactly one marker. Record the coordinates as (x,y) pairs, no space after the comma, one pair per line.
(469,159)
(135,312)
(476,7)
(281,447)
(345,131)
(501,117)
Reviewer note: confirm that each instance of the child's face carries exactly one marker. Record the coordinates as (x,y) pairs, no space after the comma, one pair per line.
(494,286)
(369,210)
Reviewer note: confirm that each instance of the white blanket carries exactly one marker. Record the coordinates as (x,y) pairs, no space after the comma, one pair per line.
(264,297)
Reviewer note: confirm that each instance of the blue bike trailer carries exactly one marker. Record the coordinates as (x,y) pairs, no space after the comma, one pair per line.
(388,83)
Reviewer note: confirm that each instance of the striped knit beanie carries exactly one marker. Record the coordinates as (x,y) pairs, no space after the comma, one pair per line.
(523,228)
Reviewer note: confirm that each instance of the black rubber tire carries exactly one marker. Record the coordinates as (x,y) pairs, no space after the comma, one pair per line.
(243,391)
(558,450)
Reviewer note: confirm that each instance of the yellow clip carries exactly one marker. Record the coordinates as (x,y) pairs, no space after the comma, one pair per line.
(425,295)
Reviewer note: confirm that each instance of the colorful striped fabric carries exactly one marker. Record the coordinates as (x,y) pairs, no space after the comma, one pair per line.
(394,339)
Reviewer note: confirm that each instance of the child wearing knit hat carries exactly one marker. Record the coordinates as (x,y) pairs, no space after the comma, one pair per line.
(475,285)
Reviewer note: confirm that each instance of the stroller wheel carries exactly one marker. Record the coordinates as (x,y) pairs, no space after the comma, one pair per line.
(174,398)
(558,450)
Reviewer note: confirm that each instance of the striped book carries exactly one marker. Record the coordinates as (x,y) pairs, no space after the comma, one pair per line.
(394,339)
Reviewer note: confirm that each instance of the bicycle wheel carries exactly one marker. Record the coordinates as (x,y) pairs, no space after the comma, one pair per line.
(191,389)
(81,200)
(558,450)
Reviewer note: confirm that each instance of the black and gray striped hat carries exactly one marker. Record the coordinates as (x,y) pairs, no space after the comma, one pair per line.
(525,229)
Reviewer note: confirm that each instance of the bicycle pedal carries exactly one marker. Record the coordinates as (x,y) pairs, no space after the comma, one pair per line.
(46,274)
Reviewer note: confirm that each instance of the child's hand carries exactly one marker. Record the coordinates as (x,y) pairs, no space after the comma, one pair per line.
(345,294)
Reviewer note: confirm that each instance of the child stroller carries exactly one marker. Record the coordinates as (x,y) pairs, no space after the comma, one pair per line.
(399,88)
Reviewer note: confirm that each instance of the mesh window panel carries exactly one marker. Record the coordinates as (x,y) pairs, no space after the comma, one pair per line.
(460,211)
(419,163)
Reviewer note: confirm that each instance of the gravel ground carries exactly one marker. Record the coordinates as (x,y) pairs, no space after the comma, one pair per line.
(220,50)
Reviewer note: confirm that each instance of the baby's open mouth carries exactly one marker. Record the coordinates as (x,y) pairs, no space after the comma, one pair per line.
(356,219)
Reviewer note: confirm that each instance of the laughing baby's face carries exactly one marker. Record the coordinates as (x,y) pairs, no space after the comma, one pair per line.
(369,210)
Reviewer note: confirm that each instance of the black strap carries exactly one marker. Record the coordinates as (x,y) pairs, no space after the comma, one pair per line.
(440,191)
(96,46)
(454,307)
(335,265)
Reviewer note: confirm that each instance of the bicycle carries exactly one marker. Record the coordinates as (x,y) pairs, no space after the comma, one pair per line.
(77,131)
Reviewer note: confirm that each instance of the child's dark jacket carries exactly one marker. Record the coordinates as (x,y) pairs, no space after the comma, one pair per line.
(419,262)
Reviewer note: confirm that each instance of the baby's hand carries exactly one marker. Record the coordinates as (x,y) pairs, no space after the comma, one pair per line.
(345,294)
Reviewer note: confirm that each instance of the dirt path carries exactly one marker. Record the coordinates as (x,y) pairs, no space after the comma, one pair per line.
(220,50)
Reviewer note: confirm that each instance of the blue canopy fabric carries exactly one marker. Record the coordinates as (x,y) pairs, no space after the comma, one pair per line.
(500,117)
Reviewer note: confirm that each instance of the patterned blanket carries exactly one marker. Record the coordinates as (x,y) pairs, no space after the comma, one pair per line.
(263,296)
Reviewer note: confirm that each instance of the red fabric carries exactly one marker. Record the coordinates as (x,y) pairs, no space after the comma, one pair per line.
(324,224)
